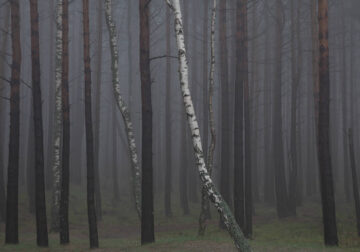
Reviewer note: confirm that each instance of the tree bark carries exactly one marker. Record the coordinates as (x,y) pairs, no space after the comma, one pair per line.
(4,43)
(55,220)
(205,204)
(93,233)
(65,162)
(212,191)
(41,222)
(354,180)
(97,106)
(225,129)
(240,79)
(168,167)
(147,197)
(136,175)
(326,179)
(12,199)
(277,137)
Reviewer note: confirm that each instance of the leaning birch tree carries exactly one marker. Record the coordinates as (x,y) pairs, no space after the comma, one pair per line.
(222,207)
(205,208)
(57,122)
(136,176)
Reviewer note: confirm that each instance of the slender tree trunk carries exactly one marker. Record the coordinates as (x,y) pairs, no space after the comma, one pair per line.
(183,176)
(51,101)
(4,43)
(11,232)
(115,177)
(168,167)
(93,233)
(225,130)
(147,205)
(30,162)
(55,220)
(97,113)
(277,143)
(241,78)
(326,179)
(269,192)
(212,191)
(205,206)
(293,123)
(41,222)
(65,163)
(354,180)
(136,172)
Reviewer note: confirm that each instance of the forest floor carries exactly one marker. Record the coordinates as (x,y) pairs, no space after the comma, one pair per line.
(119,229)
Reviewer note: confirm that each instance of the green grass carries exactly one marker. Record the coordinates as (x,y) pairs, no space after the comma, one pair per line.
(119,229)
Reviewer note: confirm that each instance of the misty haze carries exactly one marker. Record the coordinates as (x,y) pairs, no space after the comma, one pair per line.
(179,125)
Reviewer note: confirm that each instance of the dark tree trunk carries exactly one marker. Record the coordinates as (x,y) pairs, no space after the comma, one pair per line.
(326,178)
(295,75)
(41,222)
(168,168)
(147,201)
(93,233)
(11,232)
(115,177)
(247,138)
(65,163)
(277,138)
(240,79)
(269,192)
(97,122)
(30,162)
(225,129)
(51,101)
(354,181)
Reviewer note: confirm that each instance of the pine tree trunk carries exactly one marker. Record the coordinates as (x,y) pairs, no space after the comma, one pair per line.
(97,120)
(147,201)
(168,167)
(205,204)
(225,129)
(55,220)
(4,43)
(240,79)
(115,177)
(93,233)
(212,191)
(277,138)
(326,178)
(247,138)
(11,232)
(41,222)
(65,162)
(354,180)
(269,192)
(136,175)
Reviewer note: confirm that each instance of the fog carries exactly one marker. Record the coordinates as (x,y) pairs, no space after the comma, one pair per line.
(285,150)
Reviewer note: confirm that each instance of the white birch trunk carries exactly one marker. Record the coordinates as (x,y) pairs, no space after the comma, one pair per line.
(57,122)
(122,106)
(229,220)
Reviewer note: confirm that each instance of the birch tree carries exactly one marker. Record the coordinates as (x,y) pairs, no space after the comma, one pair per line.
(57,122)
(136,176)
(224,210)
(205,207)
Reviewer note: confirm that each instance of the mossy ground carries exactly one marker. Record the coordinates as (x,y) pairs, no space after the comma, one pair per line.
(119,229)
